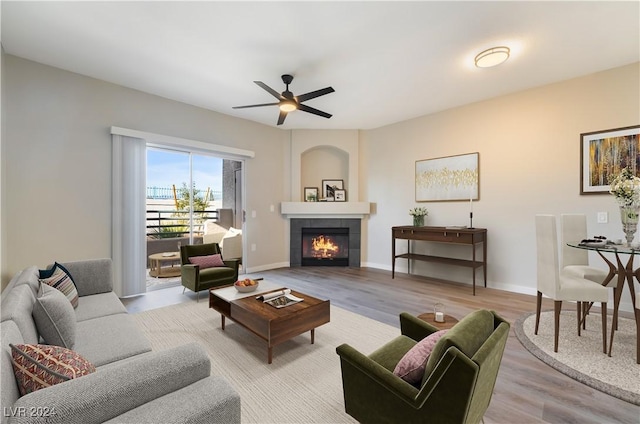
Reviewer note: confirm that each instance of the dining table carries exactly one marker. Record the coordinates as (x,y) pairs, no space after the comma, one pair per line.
(623,269)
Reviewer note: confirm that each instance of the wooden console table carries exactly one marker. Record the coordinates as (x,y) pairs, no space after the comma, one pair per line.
(466,236)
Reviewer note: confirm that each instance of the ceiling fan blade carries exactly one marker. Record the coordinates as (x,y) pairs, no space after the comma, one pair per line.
(262,104)
(271,91)
(281,117)
(314,94)
(309,109)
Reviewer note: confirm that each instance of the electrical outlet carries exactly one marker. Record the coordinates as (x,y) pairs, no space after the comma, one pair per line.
(253,214)
(253,247)
(602,218)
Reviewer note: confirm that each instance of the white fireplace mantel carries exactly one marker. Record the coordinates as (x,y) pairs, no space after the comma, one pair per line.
(325,209)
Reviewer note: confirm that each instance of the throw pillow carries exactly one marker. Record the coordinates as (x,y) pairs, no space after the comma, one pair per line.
(38,366)
(411,366)
(54,317)
(208,261)
(59,278)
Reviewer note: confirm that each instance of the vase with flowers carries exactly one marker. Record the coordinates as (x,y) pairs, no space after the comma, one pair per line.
(418,214)
(625,187)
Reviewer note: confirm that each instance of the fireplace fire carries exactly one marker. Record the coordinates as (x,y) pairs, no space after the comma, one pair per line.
(325,247)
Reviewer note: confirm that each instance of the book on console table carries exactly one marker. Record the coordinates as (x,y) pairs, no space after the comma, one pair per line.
(456,227)
(280,298)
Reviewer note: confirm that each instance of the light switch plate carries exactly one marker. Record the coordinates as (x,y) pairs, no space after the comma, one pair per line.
(602,218)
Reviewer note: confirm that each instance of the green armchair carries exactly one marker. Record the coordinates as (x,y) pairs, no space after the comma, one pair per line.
(196,279)
(458,380)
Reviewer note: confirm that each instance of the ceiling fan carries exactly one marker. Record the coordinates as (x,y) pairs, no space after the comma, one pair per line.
(288,102)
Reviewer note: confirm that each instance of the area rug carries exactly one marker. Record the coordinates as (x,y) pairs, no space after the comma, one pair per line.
(581,358)
(303,384)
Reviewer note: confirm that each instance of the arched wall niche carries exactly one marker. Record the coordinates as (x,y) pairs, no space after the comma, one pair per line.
(324,154)
(324,163)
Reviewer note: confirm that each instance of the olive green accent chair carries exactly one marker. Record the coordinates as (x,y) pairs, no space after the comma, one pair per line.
(458,380)
(196,279)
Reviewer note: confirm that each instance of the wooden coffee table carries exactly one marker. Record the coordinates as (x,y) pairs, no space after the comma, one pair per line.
(271,324)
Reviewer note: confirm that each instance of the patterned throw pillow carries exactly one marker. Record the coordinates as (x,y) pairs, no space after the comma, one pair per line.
(59,278)
(411,366)
(38,366)
(209,261)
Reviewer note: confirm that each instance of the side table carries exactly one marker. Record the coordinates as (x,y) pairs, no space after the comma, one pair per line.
(449,321)
(157,270)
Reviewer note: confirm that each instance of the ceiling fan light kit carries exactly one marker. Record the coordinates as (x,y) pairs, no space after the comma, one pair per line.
(492,57)
(288,102)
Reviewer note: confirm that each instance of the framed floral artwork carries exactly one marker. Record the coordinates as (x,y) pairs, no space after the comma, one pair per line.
(604,154)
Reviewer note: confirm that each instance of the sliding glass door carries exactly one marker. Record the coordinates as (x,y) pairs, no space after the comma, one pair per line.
(184,198)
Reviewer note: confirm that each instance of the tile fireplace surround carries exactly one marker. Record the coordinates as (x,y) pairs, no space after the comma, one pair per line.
(295,241)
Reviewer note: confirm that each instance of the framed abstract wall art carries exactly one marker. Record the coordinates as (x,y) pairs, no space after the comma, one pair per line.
(448,178)
(329,187)
(603,154)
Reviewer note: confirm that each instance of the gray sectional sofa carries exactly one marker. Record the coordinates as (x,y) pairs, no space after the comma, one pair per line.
(131,384)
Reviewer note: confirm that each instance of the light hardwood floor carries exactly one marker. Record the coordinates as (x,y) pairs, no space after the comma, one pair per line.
(527,390)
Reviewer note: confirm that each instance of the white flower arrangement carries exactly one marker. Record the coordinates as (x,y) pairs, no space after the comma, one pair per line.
(625,187)
(419,211)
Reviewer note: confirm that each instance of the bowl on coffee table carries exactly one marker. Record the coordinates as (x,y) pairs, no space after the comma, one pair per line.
(246,286)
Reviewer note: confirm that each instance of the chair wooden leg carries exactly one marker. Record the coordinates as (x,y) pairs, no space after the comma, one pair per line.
(538,306)
(604,327)
(579,312)
(557,307)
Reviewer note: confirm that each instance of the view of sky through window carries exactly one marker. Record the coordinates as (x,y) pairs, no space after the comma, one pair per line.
(166,168)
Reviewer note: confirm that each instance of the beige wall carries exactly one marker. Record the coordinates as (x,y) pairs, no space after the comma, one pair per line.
(529,145)
(56,167)
(57,162)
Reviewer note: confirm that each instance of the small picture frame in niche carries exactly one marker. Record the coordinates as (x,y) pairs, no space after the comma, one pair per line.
(340,195)
(329,187)
(311,194)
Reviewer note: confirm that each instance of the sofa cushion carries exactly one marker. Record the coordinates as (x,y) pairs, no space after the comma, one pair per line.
(99,305)
(411,366)
(39,366)
(216,273)
(17,305)
(28,276)
(467,335)
(208,261)
(110,338)
(59,278)
(54,317)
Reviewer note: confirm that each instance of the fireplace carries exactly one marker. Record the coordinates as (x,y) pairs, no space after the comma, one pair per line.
(337,242)
(325,247)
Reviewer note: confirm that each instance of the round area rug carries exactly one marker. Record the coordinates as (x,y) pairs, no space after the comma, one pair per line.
(581,358)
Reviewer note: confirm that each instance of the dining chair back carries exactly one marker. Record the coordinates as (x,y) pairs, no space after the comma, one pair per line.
(562,286)
(576,261)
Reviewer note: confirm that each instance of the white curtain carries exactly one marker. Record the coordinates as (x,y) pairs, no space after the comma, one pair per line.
(128,247)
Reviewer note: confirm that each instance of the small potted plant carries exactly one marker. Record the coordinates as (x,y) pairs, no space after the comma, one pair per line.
(418,213)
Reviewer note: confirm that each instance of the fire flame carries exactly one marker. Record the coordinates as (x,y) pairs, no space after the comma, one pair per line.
(323,247)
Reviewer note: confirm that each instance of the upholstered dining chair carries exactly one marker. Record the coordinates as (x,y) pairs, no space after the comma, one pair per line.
(576,261)
(562,286)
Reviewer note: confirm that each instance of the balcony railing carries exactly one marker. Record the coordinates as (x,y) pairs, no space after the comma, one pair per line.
(174,223)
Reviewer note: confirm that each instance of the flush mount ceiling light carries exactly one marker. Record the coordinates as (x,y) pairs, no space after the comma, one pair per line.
(492,57)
